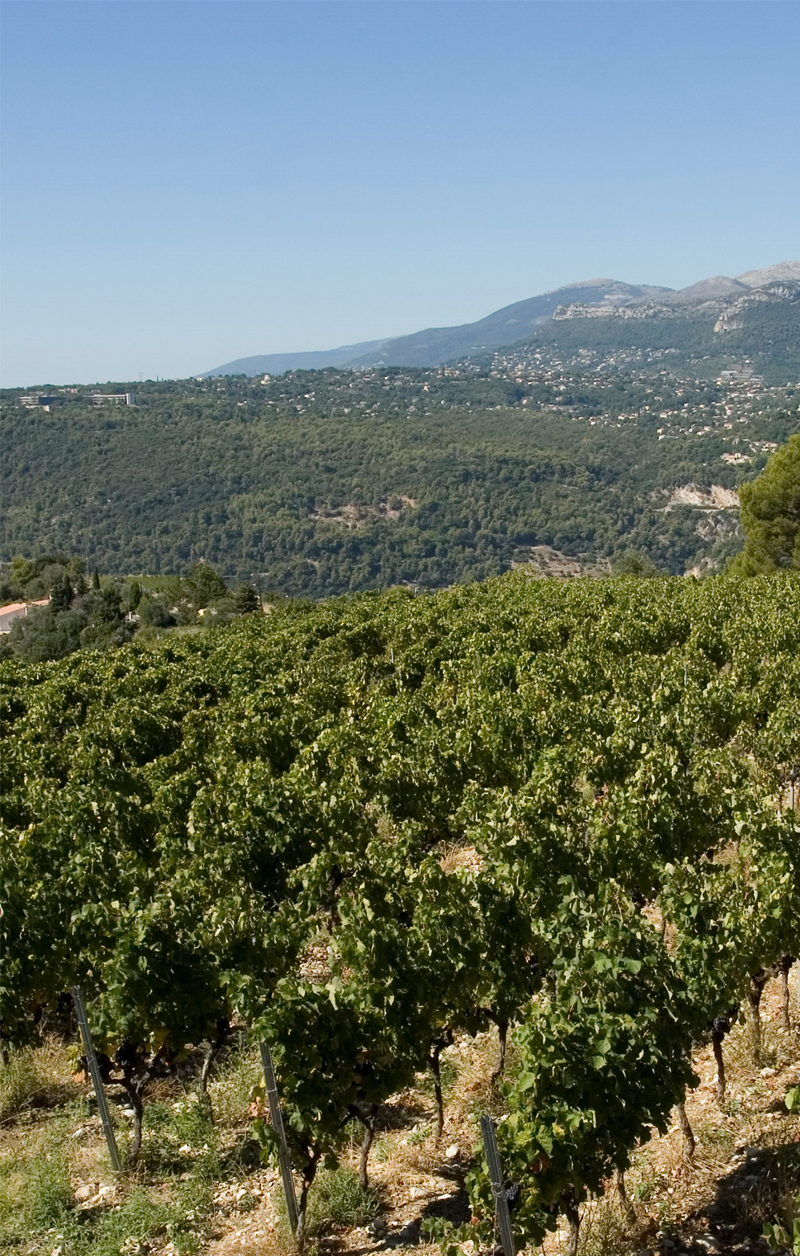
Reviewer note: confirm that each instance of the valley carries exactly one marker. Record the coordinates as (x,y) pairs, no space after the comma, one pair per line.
(324,482)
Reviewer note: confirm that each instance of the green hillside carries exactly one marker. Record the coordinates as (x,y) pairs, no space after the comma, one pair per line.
(324,482)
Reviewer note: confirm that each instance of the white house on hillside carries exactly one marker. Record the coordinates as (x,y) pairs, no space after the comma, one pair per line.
(18,610)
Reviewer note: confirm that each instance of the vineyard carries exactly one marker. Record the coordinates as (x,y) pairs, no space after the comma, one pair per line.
(370,831)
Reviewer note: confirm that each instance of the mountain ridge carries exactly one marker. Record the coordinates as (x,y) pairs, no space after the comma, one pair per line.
(434,346)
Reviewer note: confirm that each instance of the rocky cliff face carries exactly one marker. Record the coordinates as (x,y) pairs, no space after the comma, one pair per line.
(633,311)
(731,304)
(734,315)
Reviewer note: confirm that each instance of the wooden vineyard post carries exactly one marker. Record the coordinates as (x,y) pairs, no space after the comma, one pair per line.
(498,1187)
(97,1081)
(284,1159)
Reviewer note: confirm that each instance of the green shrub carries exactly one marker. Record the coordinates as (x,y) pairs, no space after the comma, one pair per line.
(49,1191)
(337,1199)
(783,1238)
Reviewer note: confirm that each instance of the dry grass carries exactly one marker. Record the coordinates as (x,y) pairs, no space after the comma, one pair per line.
(232,1085)
(456,856)
(36,1077)
(604,1230)
(745,1172)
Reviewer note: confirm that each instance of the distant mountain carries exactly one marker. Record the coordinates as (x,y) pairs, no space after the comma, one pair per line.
(707,290)
(715,322)
(721,286)
(277,363)
(721,302)
(771,274)
(590,298)
(442,344)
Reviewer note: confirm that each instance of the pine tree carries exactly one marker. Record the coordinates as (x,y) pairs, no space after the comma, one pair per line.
(61,595)
(771,514)
(246,600)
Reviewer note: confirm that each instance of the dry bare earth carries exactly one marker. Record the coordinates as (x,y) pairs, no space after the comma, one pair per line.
(745,1171)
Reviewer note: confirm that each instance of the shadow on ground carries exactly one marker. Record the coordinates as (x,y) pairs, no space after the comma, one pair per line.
(455,1208)
(762,1187)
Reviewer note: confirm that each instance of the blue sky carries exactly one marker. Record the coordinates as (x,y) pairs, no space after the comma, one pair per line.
(189,182)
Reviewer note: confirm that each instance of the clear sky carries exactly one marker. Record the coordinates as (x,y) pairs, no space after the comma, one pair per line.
(189,182)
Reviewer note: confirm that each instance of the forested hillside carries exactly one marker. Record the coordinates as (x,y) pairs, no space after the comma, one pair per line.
(318,483)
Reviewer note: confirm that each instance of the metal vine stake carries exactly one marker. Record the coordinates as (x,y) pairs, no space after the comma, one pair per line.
(284,1160)
(498,1188)
(97,1081)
